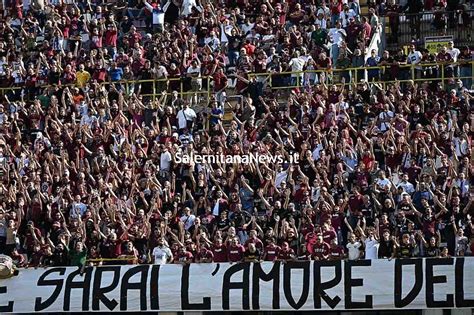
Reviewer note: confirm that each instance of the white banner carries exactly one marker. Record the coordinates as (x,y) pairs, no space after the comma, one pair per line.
(313,285)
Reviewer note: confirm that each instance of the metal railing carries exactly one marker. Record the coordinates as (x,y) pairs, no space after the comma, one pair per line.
(383,75)
(403,27)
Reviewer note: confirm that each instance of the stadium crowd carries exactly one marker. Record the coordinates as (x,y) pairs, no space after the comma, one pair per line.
(88,155)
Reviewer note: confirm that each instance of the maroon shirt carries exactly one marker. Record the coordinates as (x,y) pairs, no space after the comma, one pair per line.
(183,257)
(355,203)
(204,254)
(337,219)
(235,253)
(220,253)
(336,253)
(258,243)
(271,252)
(220,81)
(321,250)
(286,254)
(328,236)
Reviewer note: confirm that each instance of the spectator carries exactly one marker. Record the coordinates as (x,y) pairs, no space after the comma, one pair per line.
(235,252)
(321,249)
(161,253)
(353,248)
(373,61)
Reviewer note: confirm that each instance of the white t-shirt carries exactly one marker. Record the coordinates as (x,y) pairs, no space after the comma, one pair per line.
(407,187)
(463,186)
(297,65)
(315,194)
(161,255)
(197,70)
(157,15)
(322,23)
(324,11)
(280,177)
(213,42)
(415,58)
(336,35)
(165,161)
(353,250)
(384,183)
(187,6)
(188,220)
(371,249)
(184,115)
(3,227)
(385,118)
(454,53)
(461,146)
(161,72)
(2,71)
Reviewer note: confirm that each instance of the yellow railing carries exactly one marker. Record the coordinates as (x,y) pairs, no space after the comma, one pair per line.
(331,76)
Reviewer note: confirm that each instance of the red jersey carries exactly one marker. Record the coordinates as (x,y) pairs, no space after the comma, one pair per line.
(271,252)
(310,241)
(185,257)
(355,203)
(220,81)
(235,253)
(204,254)
(286,254)
(111,38)
(219,253)
(258,243)
(336,253)
(29,238)
(328,236)
(321,250)
(337,219)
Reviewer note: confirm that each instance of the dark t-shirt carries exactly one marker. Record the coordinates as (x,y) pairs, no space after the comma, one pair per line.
(386,248)
(220,253)
(405,251)
(252,257)
(432,251)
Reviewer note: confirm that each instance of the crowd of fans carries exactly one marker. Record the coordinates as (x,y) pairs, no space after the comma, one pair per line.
(88,155)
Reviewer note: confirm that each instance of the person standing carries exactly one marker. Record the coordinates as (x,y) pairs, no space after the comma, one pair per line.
(161,253)
(371,244)
(353,248)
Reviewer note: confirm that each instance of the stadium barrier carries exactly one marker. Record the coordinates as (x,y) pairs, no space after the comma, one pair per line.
(430,283)
(423,72)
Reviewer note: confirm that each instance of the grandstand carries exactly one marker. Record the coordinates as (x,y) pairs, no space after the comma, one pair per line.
(256,156)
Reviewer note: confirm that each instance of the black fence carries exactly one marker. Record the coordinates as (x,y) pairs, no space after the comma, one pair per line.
(401,29)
